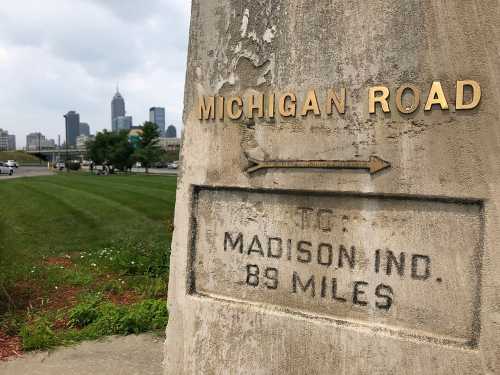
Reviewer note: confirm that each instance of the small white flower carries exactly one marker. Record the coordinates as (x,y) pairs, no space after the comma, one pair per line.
(56,287)
(132,262)
(94,265)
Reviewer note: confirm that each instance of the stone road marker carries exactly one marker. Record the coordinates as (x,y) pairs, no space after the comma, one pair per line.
(337,210)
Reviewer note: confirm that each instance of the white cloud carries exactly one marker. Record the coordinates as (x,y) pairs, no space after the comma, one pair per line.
(61,55)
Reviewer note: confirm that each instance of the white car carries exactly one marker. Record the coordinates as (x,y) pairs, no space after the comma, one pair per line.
(4,169)
(11,163)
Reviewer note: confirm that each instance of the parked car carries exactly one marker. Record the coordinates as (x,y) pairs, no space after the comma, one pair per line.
(60,165)
(161,164)
(4,169)
(173,165)
(11,163)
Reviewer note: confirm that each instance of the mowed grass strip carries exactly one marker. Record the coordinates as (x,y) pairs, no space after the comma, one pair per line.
(73,238)
(46,215)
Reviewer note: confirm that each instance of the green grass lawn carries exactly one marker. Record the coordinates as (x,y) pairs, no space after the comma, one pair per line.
(83,256)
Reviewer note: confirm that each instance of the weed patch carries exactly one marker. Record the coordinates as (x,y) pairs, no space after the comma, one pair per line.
(69,273)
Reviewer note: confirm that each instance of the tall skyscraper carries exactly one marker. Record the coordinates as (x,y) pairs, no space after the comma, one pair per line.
(72,127)
(157,115)
(171,132)
(117,108)
(84,129)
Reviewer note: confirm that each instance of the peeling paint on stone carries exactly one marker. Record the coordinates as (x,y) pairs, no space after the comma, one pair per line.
(269,34)
(441,162)
(244,23)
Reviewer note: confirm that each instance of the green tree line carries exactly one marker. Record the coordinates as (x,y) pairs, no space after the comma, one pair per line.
(115,149)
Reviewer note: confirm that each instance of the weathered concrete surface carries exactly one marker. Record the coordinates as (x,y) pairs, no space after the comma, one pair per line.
(129,355)
(438,158)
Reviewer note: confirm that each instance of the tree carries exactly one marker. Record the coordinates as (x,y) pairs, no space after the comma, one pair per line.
(111,149)
(122,153)
(148,150)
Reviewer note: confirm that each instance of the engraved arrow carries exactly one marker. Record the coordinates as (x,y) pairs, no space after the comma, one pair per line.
(374,165)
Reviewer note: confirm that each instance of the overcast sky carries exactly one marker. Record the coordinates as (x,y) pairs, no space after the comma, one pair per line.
(61,55)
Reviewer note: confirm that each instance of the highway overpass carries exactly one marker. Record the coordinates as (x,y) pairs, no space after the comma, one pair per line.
(54,155)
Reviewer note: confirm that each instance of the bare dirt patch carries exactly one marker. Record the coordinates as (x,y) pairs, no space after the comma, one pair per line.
(10,346)
(58,261)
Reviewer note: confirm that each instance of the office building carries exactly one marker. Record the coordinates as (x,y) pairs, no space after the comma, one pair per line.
(72,127)
(12,142)
(4,140)
(117,109)
(122,123)
(34,141)
(157,115)
(7,141)
(84,129)
(37,141)
(171,132)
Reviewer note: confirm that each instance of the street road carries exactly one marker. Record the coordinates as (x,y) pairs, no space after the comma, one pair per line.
(164,171)
(28,172)
(32,171)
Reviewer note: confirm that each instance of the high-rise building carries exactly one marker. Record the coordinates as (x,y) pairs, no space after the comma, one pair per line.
(72,127)
(157,115)
(171,132)
(84,129)
(117,108)
(34,141)
(122,123)
(4,140)
(12,142)
(37,141)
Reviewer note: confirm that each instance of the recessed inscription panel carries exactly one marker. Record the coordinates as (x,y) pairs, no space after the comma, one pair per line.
(407,265)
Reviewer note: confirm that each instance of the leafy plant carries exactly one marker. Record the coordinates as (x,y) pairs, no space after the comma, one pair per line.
(144,316)
(85,312)
(38,335)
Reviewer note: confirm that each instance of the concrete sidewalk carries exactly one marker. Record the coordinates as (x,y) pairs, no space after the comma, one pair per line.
(129,355)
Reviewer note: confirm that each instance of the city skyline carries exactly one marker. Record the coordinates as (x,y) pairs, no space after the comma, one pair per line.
(49,68)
